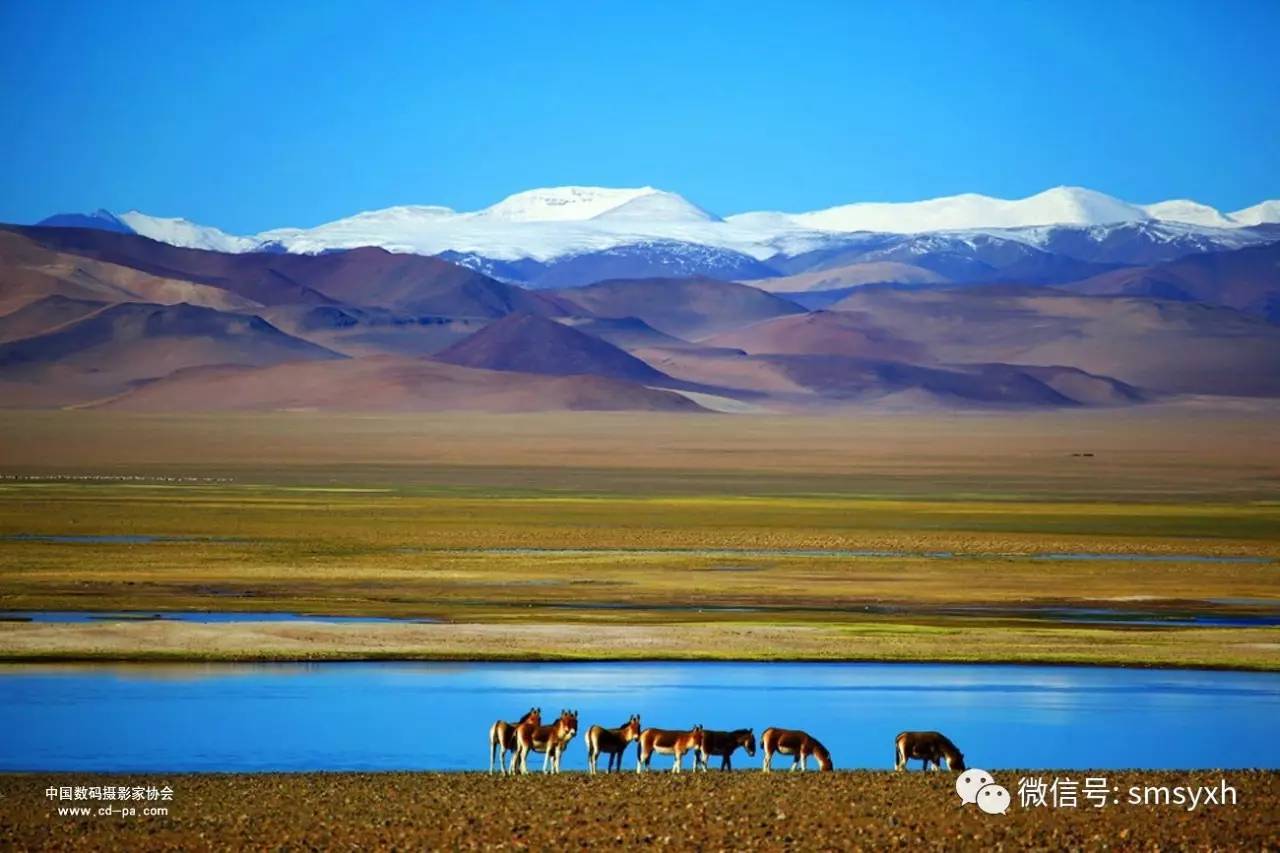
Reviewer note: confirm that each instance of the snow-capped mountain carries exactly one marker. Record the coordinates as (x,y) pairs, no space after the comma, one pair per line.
(1187,212)
(1058,206)
(180,232)
(577,204)
(1267,212)
(594,228)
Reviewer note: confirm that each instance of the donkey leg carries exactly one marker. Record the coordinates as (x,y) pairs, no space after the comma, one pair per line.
(675,768)
(768,761)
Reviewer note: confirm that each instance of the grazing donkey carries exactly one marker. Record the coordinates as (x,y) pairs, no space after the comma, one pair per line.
(612,742)
(797,743)
(503,734)
(930,747)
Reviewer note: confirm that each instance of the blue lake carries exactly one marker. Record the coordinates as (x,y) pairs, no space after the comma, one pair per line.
(400,715)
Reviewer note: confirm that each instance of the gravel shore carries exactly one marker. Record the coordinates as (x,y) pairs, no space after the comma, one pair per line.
(741,810)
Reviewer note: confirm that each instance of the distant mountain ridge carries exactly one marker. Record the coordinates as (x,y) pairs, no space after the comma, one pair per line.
(563,224)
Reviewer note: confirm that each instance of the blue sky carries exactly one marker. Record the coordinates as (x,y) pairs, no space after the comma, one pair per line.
(250,116)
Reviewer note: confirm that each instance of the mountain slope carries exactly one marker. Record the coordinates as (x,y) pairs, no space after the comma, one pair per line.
(389,385)
(644,259)
(683,308)
(43,315)
(532,344)
(818,333)
(367,276)
(623,332)
(1172,347)
(30,271)
(1247,279)
(819,382)
(356,331)
(104,352)
(103,220)
(851,275)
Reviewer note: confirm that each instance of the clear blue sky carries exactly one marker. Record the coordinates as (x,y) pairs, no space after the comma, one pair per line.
(256,115)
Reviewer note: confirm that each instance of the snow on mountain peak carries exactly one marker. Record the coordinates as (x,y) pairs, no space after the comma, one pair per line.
(1189,212)
(553,222)
(561,204)
(657,206)
(1260,214)
(181,232)
(1057,206)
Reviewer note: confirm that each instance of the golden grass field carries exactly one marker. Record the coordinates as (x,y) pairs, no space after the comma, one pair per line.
(671,536)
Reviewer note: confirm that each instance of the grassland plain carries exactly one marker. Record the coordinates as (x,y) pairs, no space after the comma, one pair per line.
(876,537)
(725,811)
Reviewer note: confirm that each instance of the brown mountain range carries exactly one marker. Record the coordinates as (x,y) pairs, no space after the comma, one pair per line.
(383,384)
(688,308)
(530,344)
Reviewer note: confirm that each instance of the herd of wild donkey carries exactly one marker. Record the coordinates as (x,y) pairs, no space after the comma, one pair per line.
(528,734)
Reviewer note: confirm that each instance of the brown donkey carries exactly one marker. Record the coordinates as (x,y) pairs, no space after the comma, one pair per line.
(550,740)
(503,734)
(930,747)
(668,742)
(724,744)
(797,743)
(612,742)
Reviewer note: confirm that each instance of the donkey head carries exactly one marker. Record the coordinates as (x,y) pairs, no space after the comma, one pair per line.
(568,723)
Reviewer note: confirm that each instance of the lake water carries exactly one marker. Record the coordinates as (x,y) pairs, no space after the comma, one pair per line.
(364,716)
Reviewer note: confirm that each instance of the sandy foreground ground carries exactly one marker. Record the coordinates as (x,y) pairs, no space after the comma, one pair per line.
(715,811)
